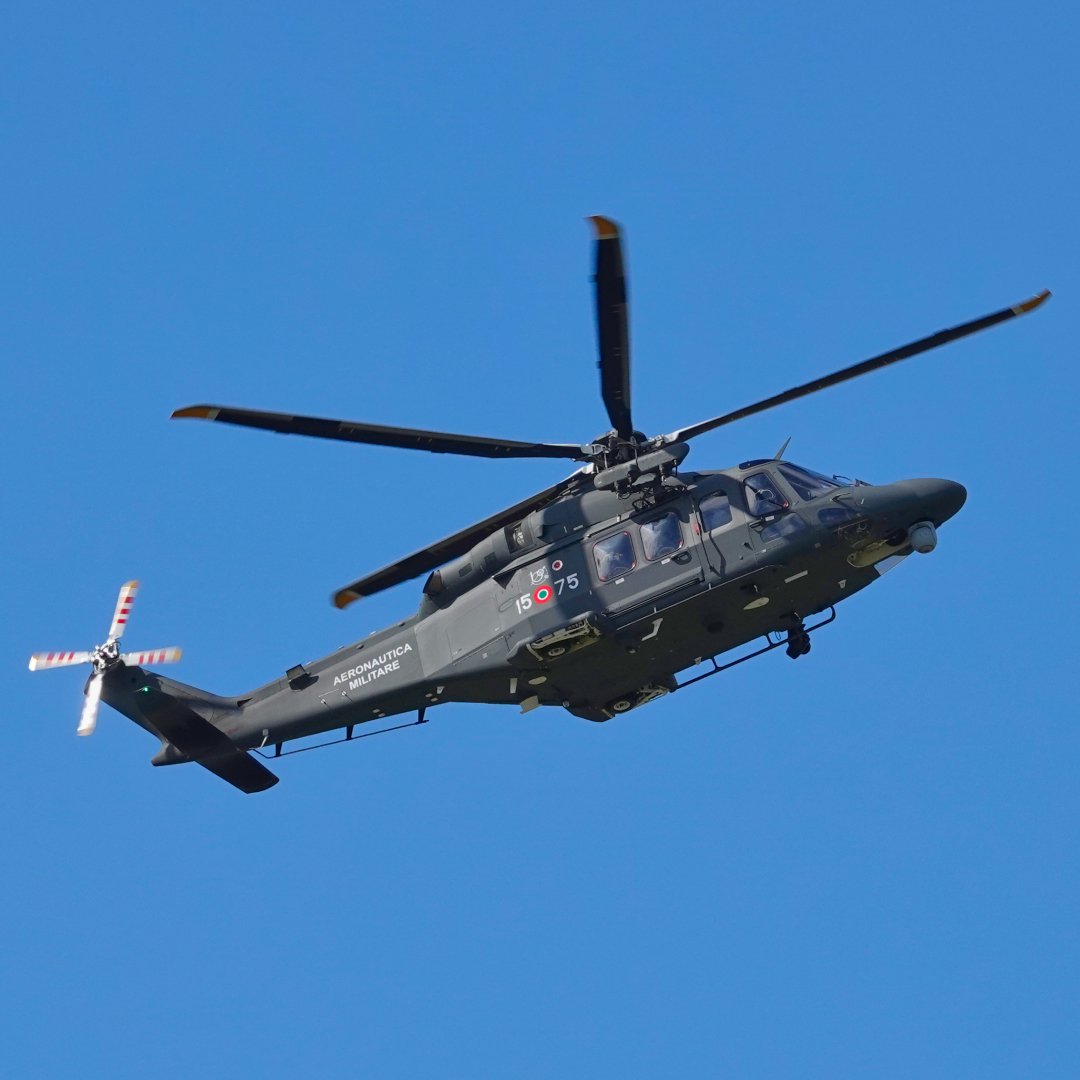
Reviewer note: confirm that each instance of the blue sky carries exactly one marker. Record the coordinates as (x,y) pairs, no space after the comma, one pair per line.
(861,865)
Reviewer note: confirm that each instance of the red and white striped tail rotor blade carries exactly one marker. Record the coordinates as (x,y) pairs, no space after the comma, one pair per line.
(123,609)
(42,660)
(152,656)
(88,719)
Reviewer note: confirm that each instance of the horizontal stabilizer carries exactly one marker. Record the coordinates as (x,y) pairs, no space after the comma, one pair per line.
(202,742)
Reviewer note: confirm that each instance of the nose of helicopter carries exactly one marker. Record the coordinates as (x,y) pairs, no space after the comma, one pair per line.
(938,499)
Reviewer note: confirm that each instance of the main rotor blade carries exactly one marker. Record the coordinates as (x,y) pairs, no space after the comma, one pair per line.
(442,551)
(438,442)
(943,337)
(612,328)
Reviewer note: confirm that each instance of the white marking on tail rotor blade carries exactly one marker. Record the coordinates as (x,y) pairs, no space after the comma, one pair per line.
(123,609)
(88,719)
(44,661)
(152,656)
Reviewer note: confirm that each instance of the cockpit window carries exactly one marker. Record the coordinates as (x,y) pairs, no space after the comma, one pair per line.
(762,497)
(787,526)
(715,510)
(807,483)
(661,536)
(614,556)
(836,515)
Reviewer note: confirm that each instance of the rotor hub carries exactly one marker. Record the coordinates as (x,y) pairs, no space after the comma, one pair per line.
(105,656)
(612,449)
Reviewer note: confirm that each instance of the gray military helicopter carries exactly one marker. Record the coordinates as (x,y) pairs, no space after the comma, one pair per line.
(595,595)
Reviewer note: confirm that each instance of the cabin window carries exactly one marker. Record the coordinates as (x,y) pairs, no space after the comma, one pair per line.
(614,556)
(807,483)
(715,511)
(661,536)
(762,496)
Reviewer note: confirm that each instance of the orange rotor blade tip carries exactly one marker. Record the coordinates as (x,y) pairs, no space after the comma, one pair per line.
(195,412)
(606,229)
(1033,303)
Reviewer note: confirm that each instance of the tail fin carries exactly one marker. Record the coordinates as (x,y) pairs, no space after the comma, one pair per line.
(170,716)
(203,743)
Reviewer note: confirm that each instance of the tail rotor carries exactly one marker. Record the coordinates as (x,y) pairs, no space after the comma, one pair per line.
(104,658)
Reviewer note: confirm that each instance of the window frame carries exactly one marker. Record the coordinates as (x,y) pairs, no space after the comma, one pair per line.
(732,505)
(603,540)
(641,525)
(777,489)
(829,485)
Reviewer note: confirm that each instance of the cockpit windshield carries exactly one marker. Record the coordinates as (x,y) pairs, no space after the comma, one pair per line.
(807,483)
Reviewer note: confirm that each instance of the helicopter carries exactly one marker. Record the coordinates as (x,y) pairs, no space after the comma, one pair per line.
(628,580)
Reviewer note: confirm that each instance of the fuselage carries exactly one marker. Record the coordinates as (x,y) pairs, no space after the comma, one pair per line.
(596,602)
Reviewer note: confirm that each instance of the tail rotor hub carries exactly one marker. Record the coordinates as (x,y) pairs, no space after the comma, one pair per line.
(105,657)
